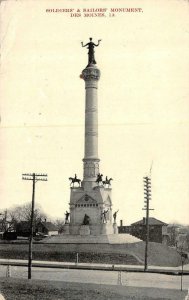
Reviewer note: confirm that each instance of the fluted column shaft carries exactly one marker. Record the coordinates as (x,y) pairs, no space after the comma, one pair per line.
(91,120)
(91,76)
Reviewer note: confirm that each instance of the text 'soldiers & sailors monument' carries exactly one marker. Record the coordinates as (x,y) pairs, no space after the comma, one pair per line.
(90,199)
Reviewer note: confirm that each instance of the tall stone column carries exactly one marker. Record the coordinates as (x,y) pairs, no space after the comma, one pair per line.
(91,75)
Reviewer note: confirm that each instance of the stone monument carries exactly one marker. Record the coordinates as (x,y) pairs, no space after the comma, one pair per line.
(90,219)
(90,198)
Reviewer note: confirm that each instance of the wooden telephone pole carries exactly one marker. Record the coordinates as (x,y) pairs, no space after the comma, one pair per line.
(147,197)
(34,177)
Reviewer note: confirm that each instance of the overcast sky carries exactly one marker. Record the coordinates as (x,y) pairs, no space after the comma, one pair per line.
(143,103)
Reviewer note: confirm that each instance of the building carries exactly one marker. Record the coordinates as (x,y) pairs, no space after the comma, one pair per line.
(5,224)
(123,228)
(178,236)
(157,230)
(7,228)
(46,228)
(43,228)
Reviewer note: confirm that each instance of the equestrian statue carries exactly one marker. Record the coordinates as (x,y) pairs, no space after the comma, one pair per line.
(75,179)
(99,178)
(107,181)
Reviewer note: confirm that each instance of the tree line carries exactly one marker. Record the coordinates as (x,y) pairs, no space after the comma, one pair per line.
(11,217)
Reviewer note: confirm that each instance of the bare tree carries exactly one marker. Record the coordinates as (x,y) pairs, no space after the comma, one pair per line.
(187,241)
(60,224)
(173,235)
(23,213)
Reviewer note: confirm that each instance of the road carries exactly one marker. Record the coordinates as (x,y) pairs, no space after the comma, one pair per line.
(100,277)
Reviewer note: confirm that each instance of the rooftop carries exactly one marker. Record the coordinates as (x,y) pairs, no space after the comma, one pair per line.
(151,221)
(49,226)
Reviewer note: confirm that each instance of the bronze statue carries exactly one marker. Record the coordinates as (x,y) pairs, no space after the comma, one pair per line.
(99,178)
(90,46)
(86,220)
(67,217)
(104,219)
(107,181)
(75,179)
(115,215)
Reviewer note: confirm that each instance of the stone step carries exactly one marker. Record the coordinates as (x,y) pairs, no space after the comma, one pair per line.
(101,239)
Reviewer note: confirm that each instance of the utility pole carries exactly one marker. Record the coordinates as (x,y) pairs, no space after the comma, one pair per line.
(34,177)
(147,197)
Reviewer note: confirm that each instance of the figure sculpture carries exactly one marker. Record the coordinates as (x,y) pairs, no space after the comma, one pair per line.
(107,181)
(104,213)
(115,215)
(75,179)
(67,214)
(86,220)
(90,46)
(99,178)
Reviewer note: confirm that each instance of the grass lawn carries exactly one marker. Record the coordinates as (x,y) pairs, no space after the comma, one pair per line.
(20,289)
(159,255)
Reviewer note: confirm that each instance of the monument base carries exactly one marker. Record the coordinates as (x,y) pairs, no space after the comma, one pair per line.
(107,228)
(66,229)
(115,228)
(95,229)
(92,239)
(84,230)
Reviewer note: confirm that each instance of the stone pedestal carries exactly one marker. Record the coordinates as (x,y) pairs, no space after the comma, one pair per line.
(91,202)
(107,228)
(66,229)
(84,230)
(115,228)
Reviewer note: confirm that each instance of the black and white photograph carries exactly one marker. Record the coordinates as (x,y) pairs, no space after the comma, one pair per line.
(94,189)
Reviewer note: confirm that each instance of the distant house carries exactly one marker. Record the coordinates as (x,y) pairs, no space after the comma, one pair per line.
(47,228)
(2,229)
(2,226)
(124,229)
(157,230)
(182,241)
(43,228)
(5,224)
(7,229)
(178,235)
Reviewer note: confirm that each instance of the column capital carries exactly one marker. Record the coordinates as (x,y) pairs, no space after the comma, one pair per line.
(91,73)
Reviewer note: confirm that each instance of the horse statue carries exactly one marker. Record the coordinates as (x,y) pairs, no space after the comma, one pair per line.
(75,179)
(99,178)
(107,181)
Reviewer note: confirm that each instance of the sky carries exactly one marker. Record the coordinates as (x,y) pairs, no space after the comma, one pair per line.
(143,103)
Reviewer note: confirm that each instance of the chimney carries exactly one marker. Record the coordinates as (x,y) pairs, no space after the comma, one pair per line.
(121,223)
(144,221)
